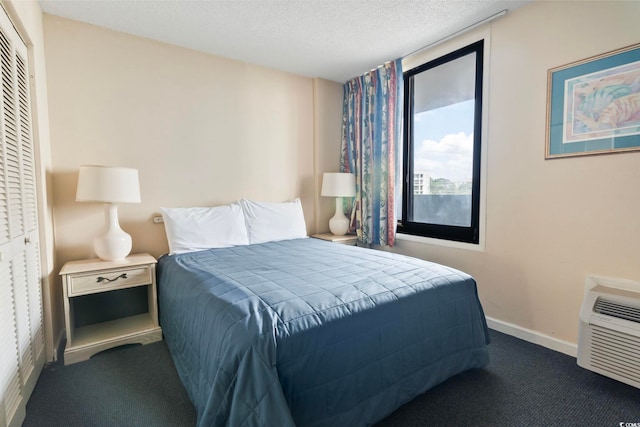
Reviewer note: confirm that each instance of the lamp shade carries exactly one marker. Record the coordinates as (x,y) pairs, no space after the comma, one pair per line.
(108,184)
(338,184)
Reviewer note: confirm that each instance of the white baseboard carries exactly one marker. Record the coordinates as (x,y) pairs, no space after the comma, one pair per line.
(534,337)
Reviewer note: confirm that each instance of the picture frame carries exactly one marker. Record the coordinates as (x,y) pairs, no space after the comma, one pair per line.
(593,105)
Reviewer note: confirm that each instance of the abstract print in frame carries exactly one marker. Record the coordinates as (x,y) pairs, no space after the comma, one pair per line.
(593,105)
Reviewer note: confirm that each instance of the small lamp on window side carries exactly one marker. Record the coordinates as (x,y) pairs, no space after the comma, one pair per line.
(109,185)
(339,185)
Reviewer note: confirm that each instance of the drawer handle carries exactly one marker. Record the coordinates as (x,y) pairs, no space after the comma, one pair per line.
(102,279)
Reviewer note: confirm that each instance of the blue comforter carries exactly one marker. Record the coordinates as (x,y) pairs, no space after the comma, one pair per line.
(307,332)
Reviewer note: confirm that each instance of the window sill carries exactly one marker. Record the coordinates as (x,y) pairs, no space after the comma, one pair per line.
(441,242)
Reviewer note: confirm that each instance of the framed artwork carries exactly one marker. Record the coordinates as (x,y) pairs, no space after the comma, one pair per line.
(593,105)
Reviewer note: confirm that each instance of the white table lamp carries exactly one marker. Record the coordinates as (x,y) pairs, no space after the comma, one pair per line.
(339,185)
(109,185)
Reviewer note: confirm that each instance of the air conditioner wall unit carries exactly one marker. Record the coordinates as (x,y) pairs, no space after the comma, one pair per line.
(609,330)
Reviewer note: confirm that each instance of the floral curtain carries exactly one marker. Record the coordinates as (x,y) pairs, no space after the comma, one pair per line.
(371,128)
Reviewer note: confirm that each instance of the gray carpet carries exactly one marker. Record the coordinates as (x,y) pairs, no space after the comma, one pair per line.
(125,386)
(523,385)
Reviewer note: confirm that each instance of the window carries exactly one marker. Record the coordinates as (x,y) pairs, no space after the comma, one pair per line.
(441,147)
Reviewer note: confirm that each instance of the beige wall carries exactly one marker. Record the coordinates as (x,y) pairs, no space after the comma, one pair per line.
(202,130)
(549,223)
(27,18)
(328,133)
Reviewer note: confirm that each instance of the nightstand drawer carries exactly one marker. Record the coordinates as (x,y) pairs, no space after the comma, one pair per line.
(82,284)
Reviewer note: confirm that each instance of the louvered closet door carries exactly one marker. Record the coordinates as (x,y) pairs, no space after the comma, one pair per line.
(21,328)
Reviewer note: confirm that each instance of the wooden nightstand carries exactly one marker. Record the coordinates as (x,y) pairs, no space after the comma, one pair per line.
(348,239)
(93,276)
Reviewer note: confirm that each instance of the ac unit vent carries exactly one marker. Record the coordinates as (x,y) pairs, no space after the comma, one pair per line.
(616,353)
(615,309)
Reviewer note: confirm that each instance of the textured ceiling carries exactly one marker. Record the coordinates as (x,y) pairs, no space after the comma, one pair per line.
(332,39)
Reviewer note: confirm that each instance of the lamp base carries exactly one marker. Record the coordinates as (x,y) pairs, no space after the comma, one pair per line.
(339,224)
(114,244)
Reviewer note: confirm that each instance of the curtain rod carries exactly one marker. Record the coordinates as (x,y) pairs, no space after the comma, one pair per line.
(457,33)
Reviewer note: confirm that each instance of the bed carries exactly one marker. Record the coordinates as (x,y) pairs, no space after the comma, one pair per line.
(311,333)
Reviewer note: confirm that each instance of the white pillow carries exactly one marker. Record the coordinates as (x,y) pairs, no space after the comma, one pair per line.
(196,229)
(270,222)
